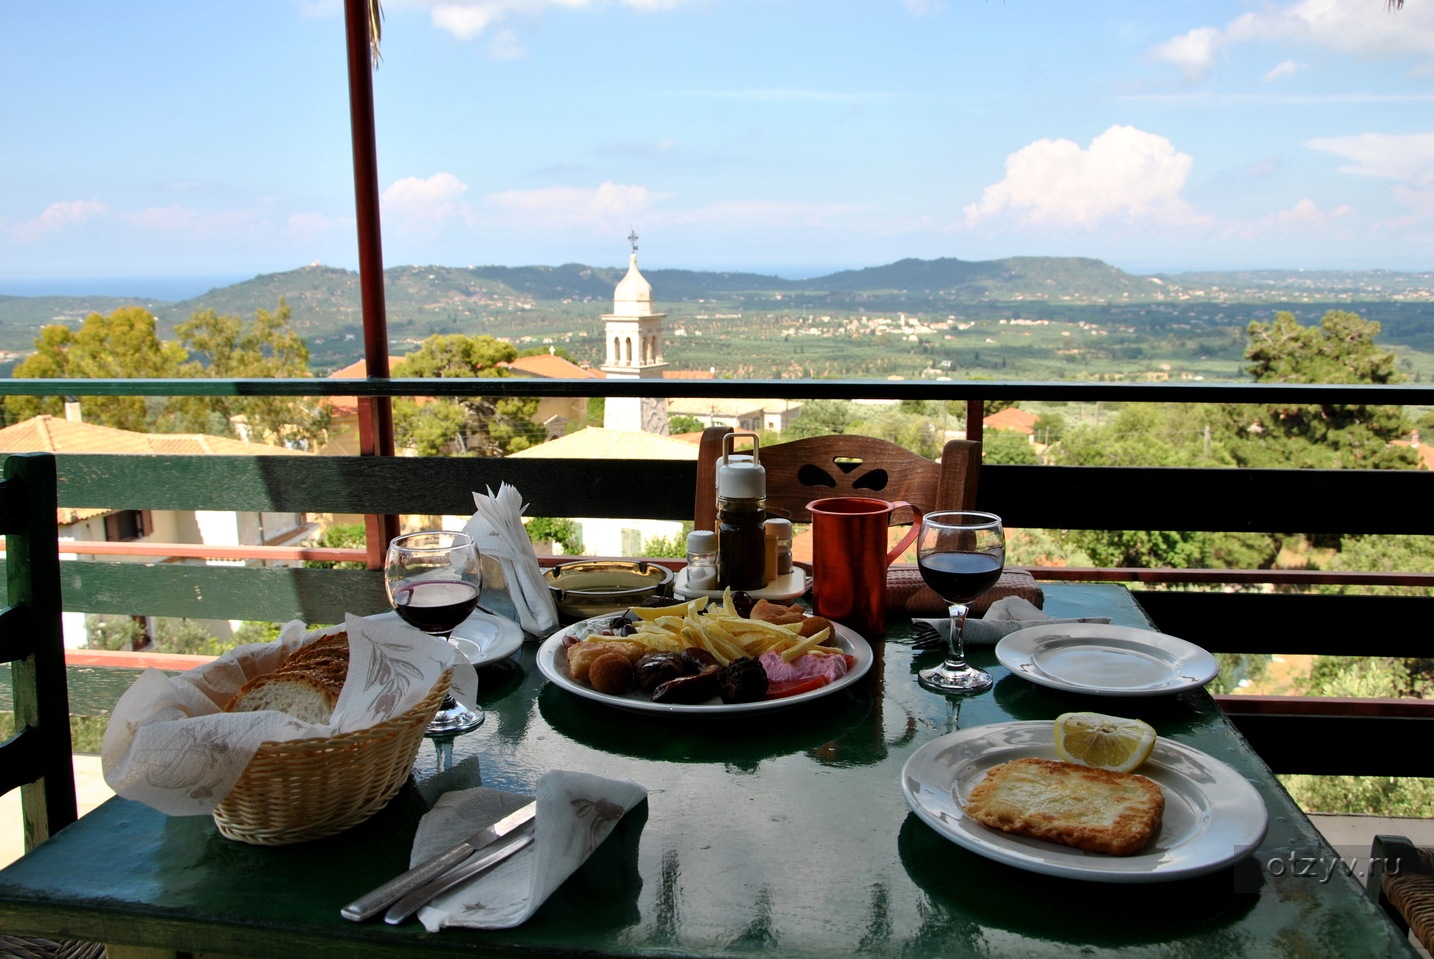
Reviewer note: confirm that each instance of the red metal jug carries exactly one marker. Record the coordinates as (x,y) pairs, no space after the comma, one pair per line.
(849,559)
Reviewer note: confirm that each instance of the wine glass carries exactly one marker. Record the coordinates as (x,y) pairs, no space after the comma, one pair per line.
(961,554)
(433,581)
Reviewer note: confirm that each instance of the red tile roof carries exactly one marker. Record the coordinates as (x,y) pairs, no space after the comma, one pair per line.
(358,370)
(688,375)
(550,367)
(1012,418)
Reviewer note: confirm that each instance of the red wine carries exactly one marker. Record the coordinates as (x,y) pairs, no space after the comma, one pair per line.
(960,577)
(435,606)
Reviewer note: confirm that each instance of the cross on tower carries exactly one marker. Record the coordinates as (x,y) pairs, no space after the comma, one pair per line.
(632,238)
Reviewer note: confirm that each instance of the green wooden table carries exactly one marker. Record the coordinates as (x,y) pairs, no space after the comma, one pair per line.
(779,835)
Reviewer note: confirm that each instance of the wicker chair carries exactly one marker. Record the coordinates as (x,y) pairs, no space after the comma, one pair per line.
(36,759)
(1406,892)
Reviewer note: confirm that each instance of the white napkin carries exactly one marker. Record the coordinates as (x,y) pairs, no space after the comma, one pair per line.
(576,811)
(497,528)
(1004,616)
(169,744)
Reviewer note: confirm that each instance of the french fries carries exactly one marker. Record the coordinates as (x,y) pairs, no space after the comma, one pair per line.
(720,630)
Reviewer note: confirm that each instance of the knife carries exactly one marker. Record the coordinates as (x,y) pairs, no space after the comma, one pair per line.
(390,892)
(410,904)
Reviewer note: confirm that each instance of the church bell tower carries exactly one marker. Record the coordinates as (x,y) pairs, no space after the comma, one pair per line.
(634,351)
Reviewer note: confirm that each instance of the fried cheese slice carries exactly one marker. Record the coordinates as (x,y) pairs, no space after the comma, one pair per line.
(1092,809)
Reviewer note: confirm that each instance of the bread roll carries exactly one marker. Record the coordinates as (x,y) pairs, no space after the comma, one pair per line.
(304,696)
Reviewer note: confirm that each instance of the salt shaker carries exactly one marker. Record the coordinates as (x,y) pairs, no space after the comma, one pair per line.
(702,559)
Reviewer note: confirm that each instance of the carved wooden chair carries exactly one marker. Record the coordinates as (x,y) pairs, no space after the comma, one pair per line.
(845,465)
(37,758)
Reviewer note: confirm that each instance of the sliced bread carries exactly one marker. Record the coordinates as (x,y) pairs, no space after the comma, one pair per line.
(303,695)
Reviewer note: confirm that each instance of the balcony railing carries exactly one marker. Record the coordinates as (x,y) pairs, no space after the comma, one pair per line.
(1223,499)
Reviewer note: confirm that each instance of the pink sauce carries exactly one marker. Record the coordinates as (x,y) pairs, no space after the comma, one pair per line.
(807,666)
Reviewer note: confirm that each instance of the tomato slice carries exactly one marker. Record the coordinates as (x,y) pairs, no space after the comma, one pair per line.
(793,687)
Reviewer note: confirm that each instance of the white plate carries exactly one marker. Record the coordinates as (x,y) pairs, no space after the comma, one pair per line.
(1104,660)
(553,662)
(783,588)
(483,637)
(1213,816)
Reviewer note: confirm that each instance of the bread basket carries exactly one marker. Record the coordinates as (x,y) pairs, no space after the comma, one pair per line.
(306,789)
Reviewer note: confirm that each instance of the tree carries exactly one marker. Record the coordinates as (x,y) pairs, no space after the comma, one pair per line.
(229,348)
(1007,448)
(490,426)
(681,423)
(123,345)
(820,417)
(1340,349)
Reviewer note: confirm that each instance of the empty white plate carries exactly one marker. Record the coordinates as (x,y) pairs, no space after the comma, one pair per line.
(1105,660)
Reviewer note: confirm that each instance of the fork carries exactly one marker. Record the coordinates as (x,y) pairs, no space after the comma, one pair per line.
(927,635)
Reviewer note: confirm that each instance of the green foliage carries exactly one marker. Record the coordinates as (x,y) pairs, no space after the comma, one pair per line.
(112,632)
(667,547)
(1384,553)
(261,632)
(917,432)
(1147,434)
(435,428)
(122,345)
(1235,667)
(87,733)
(339,536)
(1325,436)
(1425,425)
(1007,448)
(1374,795)
(1050,427)
(565,532)
(820,417)
(168,635)
(1143,548)
(682,423)
(229,347)
(1043,547)
(490,426)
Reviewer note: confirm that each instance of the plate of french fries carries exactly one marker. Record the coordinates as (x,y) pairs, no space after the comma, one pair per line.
(717,628)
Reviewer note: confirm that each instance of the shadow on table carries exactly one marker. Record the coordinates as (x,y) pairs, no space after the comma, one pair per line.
(993,895)
(738,740)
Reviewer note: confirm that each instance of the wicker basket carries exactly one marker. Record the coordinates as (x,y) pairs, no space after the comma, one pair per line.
(306,789)
(907,592)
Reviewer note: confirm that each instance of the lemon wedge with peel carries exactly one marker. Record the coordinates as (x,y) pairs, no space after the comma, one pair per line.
(1104,742)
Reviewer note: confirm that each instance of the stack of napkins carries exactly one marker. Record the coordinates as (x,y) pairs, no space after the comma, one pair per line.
(497,529)
(576,811)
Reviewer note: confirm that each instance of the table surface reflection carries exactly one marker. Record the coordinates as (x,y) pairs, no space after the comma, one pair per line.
(776,834)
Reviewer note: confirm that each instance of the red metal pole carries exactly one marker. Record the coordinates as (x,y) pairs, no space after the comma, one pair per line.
(375,414)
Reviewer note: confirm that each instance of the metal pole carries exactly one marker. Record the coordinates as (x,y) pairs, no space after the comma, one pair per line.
(376,413)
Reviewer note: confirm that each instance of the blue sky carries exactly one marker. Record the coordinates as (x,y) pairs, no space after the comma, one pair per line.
(152,139)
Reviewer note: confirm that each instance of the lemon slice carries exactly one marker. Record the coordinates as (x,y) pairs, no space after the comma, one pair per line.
(1105,742)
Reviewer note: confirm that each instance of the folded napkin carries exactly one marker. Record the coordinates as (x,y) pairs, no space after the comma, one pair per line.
(1004,617)
(171,746)
(576,811)
(497,528)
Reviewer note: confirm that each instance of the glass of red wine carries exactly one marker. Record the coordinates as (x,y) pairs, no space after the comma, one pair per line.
(961,554)
(433,580)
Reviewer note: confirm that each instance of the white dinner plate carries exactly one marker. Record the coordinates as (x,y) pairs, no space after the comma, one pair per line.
(553,663)
(483,637)
(1103,660)
(1213,816)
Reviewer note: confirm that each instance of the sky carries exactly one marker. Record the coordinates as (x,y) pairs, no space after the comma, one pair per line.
(183,140)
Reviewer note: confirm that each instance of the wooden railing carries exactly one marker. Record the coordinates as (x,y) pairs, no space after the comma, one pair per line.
(1311,501)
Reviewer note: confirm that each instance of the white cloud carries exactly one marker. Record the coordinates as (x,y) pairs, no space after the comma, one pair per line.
(1406,158)
(1193,52)
(1126,175)
(1283,69)
(417,205)
(507,46)
(606,207)
(1359,27)
(466,19)
(58,216)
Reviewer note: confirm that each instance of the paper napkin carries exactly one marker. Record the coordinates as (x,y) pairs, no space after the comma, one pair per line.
(1004,617)
(576,812)
(171,746)
(497,528)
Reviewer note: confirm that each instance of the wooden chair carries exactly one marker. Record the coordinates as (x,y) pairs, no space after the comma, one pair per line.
(37,758)
(845,465)
(1407,890)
